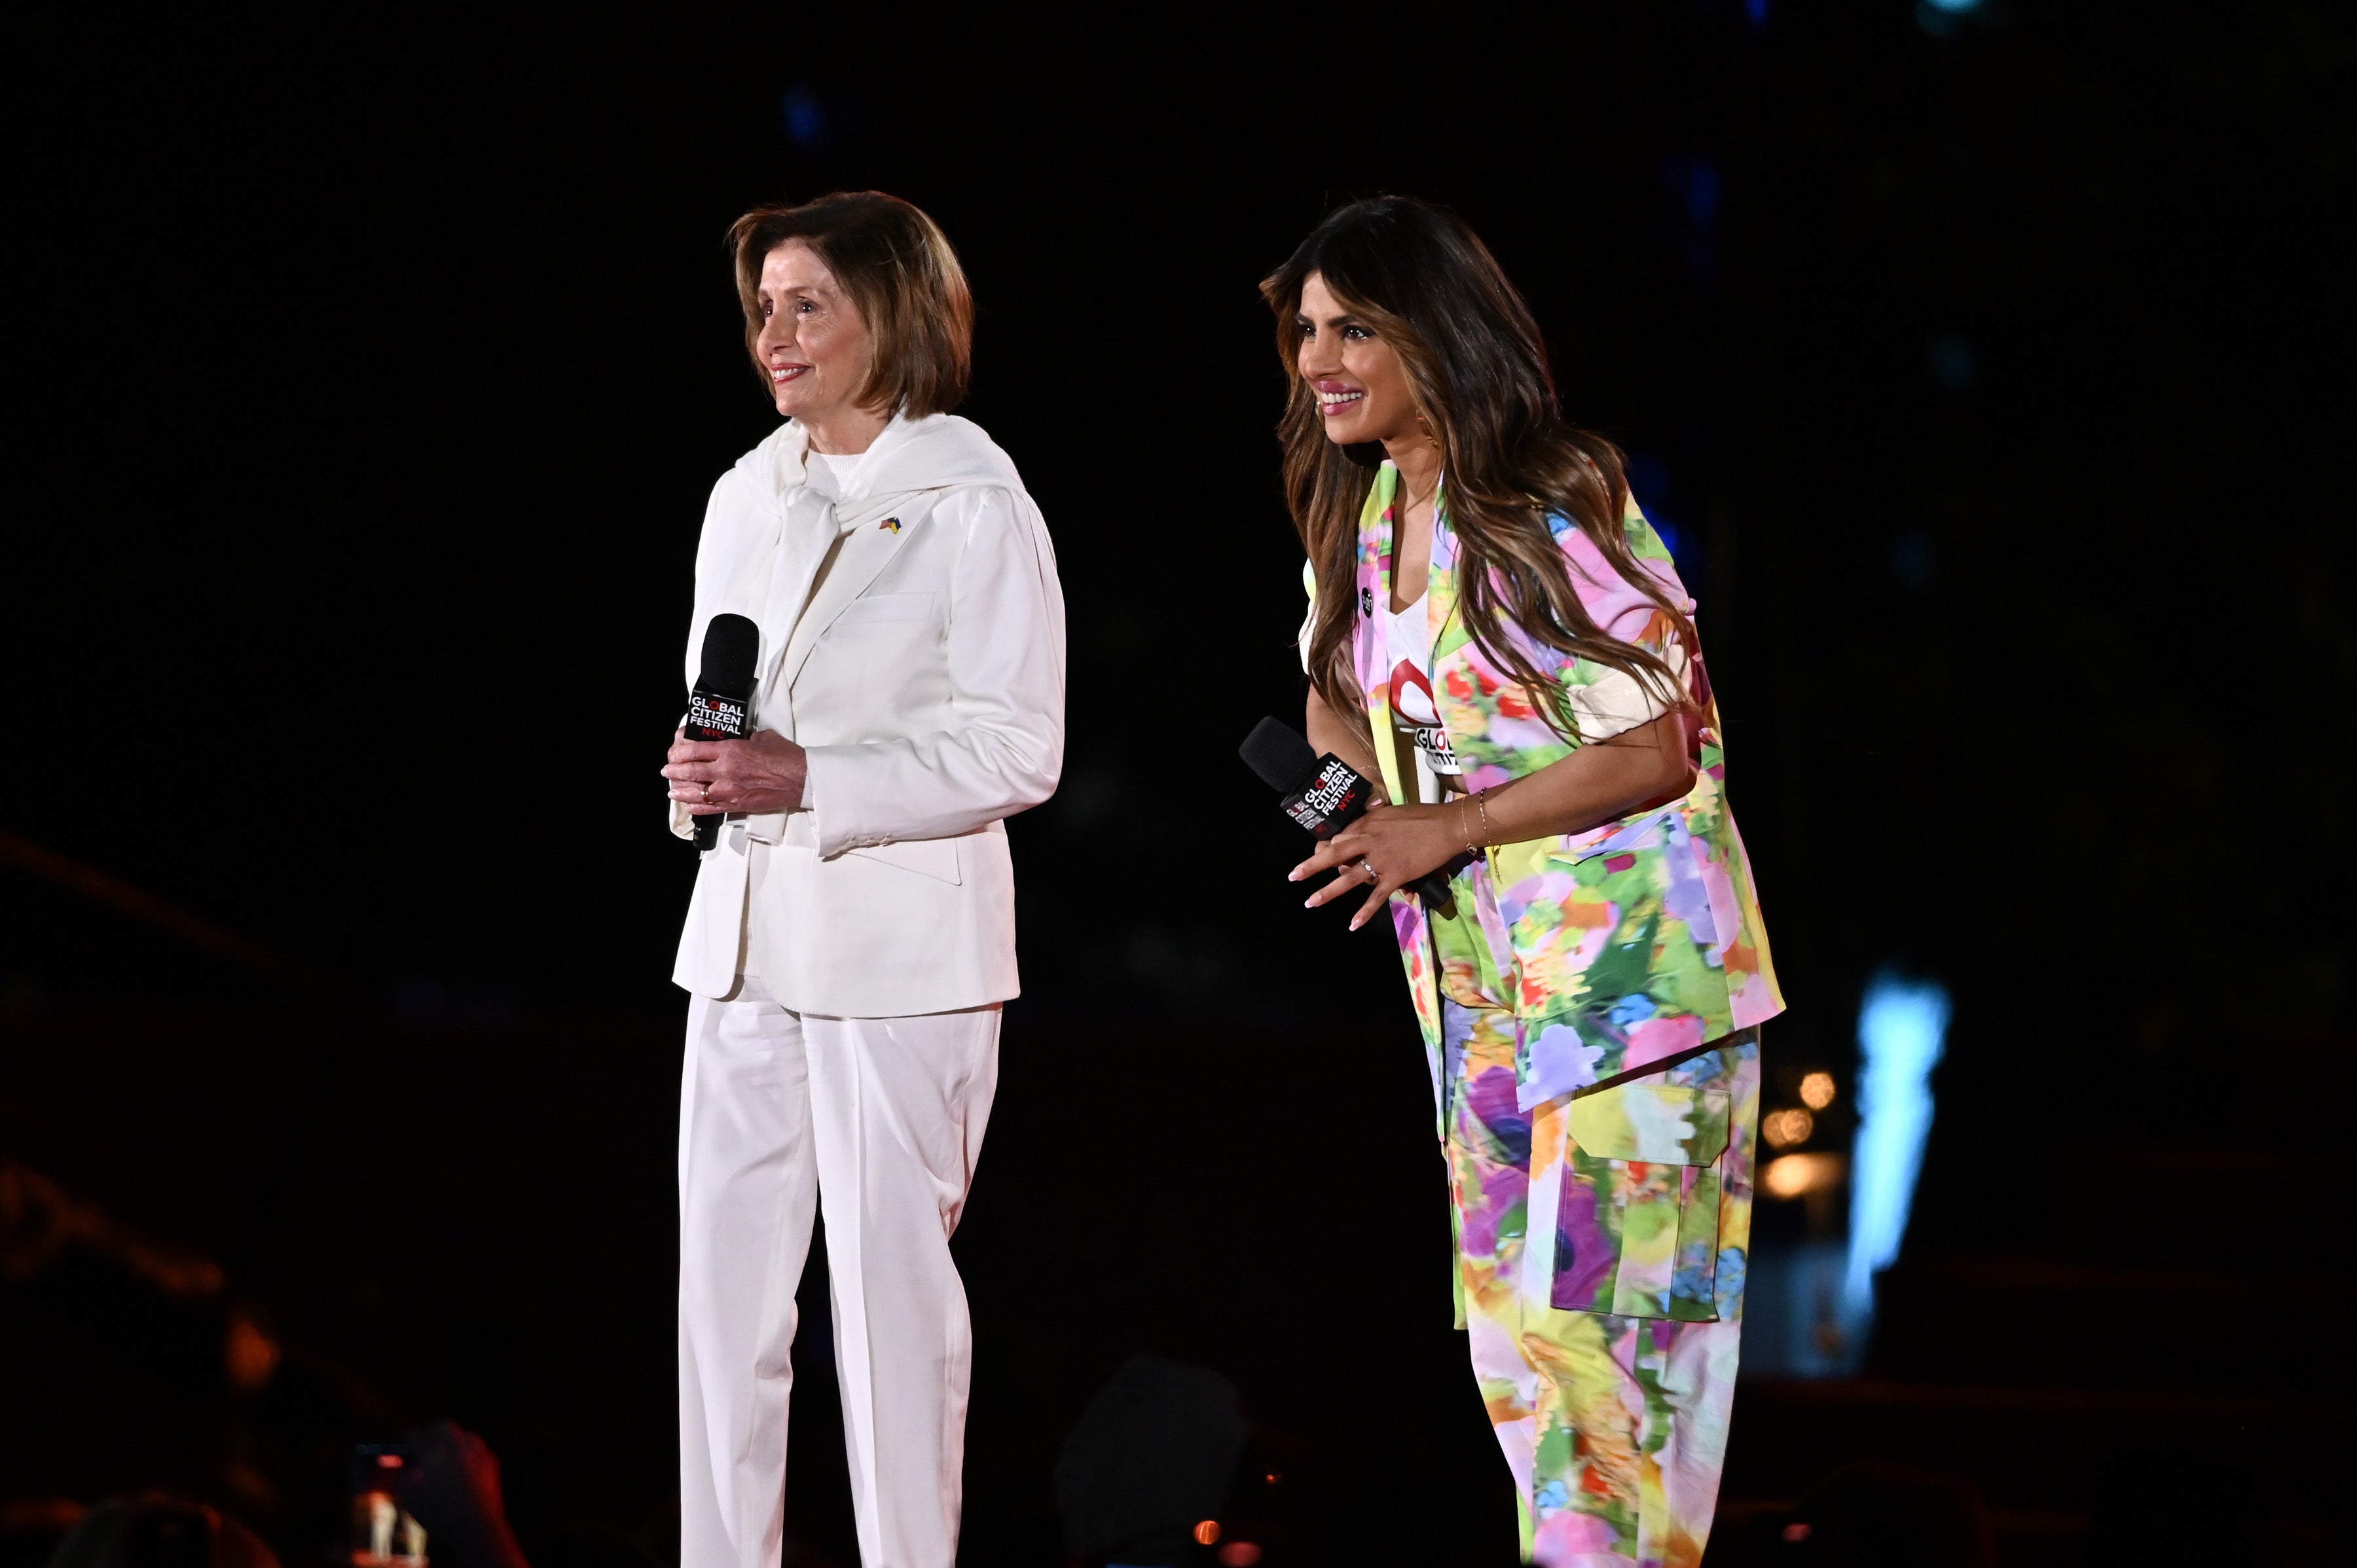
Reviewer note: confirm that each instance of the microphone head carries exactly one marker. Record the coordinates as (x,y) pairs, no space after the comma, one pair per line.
(732,646)
(1279,754)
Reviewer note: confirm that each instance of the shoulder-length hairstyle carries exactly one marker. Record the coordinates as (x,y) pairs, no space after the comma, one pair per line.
(898,268)
(1420,279)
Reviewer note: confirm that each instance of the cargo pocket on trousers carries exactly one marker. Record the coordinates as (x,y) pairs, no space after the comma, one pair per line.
(1638,1233)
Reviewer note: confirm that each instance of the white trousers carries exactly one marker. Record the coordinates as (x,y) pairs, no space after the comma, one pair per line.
(879,1120)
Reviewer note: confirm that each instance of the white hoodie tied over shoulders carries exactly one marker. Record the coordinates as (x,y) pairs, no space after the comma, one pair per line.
(924,674)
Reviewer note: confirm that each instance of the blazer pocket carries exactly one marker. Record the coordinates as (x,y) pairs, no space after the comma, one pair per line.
(1655,1123)
(1640,1231)
(1641,831)
(936,858)
(887,607)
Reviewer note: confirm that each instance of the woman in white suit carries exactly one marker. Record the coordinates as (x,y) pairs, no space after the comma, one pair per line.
(852,932)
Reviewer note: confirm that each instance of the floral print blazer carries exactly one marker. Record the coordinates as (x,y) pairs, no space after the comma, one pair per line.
(1629,943)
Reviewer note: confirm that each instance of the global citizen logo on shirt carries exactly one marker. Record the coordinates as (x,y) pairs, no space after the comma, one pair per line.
(1412,706)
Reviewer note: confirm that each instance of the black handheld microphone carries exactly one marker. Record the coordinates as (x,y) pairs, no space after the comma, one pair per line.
(720,707)
(1323,794)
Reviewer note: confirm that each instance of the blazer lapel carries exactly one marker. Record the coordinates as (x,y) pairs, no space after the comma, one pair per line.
(1375,587)
(1457,659)
(1441,594)
(867,549)
(802,542)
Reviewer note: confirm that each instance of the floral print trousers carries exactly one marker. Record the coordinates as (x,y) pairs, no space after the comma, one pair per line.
(1615,1422)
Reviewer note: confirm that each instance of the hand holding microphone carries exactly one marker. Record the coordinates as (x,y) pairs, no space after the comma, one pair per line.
(1380,848)
(718,762)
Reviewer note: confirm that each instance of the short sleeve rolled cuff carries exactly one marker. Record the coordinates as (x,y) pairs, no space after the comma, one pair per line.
(1615,701)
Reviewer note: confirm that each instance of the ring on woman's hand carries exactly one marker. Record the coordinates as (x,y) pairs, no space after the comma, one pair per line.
(1374,875)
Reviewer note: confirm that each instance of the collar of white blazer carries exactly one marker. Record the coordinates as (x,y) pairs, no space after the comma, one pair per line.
(768,531)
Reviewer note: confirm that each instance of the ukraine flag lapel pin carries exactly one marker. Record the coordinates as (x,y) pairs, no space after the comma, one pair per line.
(891,524)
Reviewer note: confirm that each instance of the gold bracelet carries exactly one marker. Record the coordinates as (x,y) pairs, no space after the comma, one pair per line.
(1483,806)
(1462,824)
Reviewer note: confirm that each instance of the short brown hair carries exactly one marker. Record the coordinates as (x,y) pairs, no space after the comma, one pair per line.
(899,270)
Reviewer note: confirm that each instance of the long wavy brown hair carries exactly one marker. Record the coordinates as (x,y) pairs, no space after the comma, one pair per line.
(1423,282)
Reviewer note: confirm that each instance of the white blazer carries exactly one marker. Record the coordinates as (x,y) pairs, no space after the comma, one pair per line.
(925,677)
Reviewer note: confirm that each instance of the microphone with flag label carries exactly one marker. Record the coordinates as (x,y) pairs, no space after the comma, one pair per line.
(1323,794)
(721,705)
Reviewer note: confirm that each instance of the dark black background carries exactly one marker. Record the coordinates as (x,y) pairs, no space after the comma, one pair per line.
(371,368)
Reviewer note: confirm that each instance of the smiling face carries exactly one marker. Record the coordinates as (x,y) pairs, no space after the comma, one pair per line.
(1361,385)
(813,343)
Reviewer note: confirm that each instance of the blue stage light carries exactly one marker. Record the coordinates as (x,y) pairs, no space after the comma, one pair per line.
(1952,362)
(1902,1027)
(1913,559)
(1693,188)
(804,115)
(1946,18)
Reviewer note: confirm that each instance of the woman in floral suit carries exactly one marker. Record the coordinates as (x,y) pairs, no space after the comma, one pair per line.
(1485,592)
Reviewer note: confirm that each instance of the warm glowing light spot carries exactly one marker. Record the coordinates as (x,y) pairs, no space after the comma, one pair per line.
(251,1355)
(1798,1531)
(1238,1554)
(1796,1175)
(1782,1129)
(1207,1532)
(1818,1091)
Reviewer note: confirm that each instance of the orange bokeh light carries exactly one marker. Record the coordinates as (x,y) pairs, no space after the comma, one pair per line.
(1796,1175)
(1782,1129)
